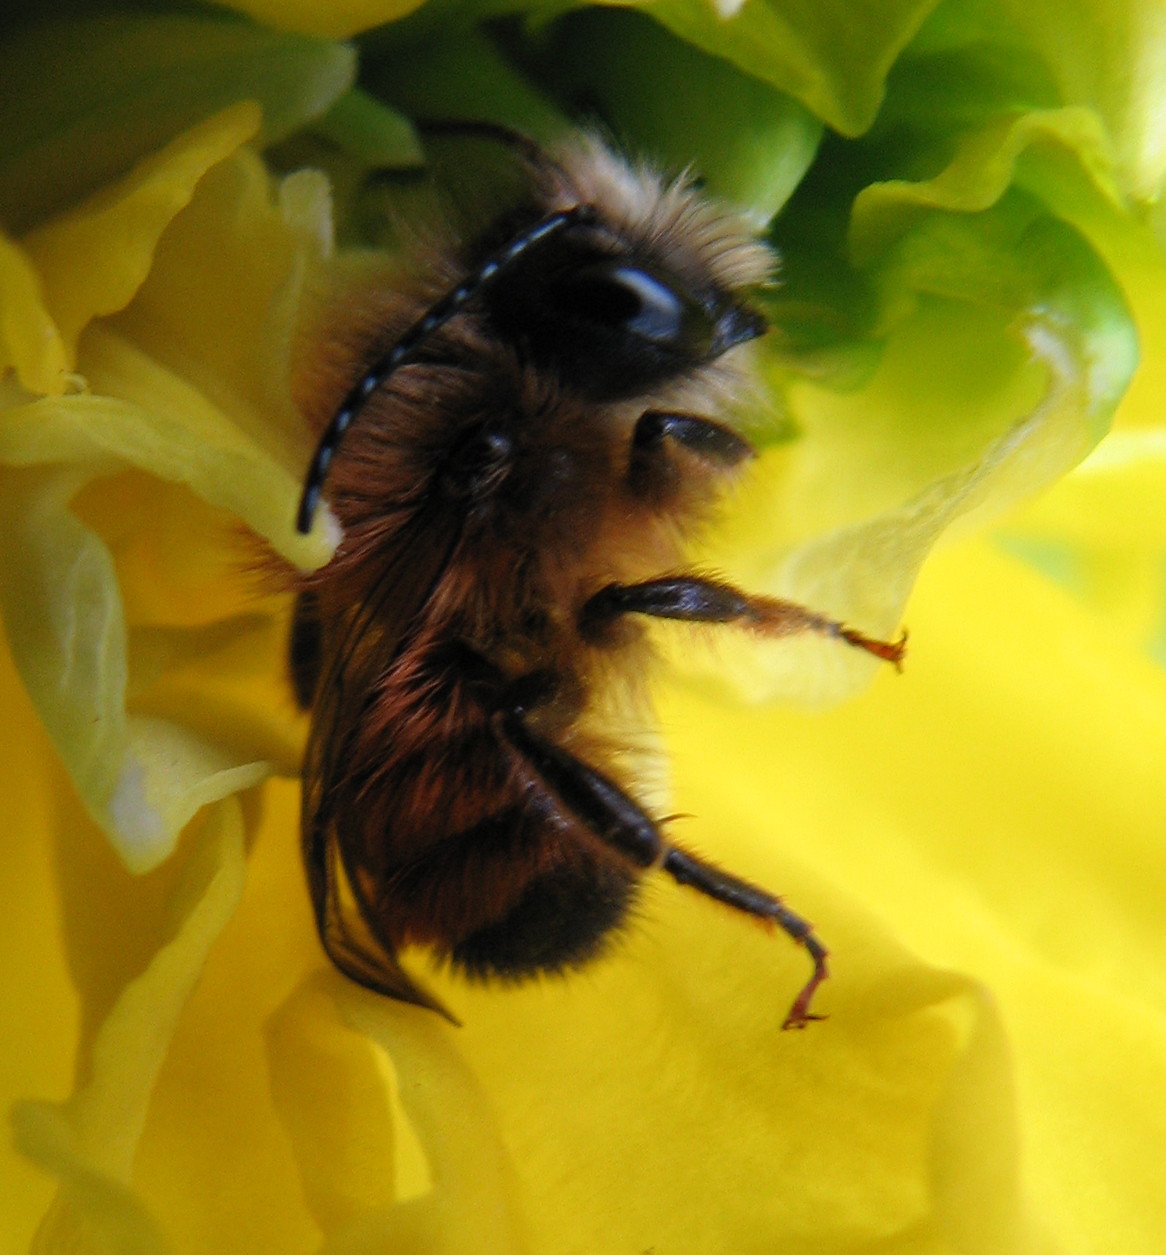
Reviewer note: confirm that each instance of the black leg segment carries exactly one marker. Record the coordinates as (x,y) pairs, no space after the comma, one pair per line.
(656,476)
(624,826)
(601,804)
(699,600)
(685,869)
(304,649)
(705,437)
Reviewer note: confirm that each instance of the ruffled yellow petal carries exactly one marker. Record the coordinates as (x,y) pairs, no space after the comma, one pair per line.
(65,626)
(977,840)
(30,342)
(184,409)
(434,1161)
(93,260)
(90,1141)
(338,1095)
(996,809)
(211,335)
(1110,56)
(36,988)
(213,1166)
(980,172)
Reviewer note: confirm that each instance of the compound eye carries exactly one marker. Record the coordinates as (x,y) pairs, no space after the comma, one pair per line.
(630,298)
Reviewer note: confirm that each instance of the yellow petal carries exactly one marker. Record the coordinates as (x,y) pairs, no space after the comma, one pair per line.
(30,342)
(37,1057)
(93,259)
(90,1141)
(175,434)
(337,1094)
(980,172)
(218,318)
(141,777)
(215,1165)
(65,626)
(998,807)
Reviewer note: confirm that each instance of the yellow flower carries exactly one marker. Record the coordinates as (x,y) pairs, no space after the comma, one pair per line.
(970,239)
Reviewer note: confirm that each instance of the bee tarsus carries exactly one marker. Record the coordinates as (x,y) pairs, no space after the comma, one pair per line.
(618,821)
(686,869)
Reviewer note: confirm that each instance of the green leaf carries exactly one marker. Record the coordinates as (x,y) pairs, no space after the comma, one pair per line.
(84,99)
(832,55)
(429,69)
(752,149)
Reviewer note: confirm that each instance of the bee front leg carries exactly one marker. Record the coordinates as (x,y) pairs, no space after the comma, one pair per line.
(656,477)
(624,826)
(708,439)
(700,600)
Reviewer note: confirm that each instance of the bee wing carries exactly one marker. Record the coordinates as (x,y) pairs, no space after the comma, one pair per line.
(355,661)
(350,942)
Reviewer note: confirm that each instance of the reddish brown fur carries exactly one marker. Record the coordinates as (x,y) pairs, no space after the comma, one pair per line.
(543,550)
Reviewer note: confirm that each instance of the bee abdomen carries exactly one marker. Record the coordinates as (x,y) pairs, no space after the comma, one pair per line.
(561,921)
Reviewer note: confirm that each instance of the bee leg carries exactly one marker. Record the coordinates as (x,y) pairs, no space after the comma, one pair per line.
(687,869)
(708,439)
(621,824)
(658,479)
(304,648)
(699,600)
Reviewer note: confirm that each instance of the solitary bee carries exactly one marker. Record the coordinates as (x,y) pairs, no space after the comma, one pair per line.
(534,432)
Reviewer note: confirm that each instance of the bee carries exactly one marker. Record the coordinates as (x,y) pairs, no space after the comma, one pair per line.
(528,441)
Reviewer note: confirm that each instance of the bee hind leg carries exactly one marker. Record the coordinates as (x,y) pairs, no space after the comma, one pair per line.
(687,869)
(623,825)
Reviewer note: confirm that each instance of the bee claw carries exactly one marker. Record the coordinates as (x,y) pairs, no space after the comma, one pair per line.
(889,651)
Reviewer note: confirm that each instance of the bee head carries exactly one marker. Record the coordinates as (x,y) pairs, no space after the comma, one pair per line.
(610,319)
(610,282)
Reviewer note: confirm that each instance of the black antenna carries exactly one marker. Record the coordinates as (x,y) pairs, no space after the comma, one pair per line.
(410,344)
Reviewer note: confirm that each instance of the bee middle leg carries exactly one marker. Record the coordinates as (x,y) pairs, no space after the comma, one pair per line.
(305,649)
(622,825)
(700,600)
